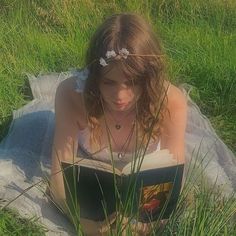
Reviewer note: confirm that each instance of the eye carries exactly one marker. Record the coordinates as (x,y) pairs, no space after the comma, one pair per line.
(133,82)
(108,82)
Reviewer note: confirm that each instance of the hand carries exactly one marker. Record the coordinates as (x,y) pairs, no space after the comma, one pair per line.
(136,227)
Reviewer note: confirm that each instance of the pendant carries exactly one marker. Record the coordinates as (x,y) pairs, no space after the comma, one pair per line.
(118,126)
(120,155)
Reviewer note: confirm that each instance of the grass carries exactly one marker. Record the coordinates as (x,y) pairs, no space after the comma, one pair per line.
(12,224)
(198,36)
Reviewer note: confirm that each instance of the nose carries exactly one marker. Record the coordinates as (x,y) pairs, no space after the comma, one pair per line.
(122,86)
(119,91)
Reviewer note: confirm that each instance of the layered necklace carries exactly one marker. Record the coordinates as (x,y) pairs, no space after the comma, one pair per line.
(125,145)
(118,126)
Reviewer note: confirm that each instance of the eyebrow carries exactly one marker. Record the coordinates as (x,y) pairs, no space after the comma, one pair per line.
(106,78)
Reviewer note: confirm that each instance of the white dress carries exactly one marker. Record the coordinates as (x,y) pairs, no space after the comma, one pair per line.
(25,152)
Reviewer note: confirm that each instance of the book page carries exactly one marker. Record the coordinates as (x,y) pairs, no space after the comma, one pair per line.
(155,160)
(94,164)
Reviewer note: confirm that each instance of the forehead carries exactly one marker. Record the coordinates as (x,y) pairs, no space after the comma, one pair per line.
(114,72)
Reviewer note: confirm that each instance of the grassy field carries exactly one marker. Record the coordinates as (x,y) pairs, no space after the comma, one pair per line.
(199,38)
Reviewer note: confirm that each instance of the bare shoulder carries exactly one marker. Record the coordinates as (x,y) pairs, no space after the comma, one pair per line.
(176,107)
(66,94)
(69,101)
(174,123)
(175,99)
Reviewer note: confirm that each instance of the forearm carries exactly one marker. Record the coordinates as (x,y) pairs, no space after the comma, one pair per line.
(56,180)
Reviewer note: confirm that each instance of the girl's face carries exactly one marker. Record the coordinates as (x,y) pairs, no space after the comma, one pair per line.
(118,92)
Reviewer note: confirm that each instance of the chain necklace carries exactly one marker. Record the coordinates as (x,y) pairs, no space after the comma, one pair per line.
(124,147)
(118,122)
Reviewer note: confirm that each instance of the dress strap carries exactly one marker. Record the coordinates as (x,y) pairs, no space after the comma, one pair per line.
(80,76)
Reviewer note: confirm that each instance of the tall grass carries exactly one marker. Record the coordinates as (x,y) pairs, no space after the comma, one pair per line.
(199,39)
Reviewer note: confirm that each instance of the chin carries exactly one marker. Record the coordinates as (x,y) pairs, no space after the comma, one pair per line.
(123,108)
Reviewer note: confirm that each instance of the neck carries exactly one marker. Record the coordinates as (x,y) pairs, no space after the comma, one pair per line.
(121,114)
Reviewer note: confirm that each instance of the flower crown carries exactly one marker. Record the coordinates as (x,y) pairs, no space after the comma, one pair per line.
(83,73)
(123,53)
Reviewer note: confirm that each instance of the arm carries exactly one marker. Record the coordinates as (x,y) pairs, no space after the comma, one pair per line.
(69,118)
(174,124)
(65,139)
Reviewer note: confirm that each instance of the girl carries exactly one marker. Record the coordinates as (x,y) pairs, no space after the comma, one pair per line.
(117,99)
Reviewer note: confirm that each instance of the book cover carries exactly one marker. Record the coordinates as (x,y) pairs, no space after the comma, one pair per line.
(154,190)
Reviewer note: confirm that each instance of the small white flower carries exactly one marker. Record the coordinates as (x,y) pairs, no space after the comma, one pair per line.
(110,54)
(102,62)
(124,53)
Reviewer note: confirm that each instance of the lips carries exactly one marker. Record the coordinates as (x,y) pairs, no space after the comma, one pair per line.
(119,103)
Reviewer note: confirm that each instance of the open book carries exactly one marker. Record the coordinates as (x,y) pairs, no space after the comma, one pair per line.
(153,183)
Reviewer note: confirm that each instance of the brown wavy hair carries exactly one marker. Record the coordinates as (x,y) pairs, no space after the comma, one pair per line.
(145,62)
